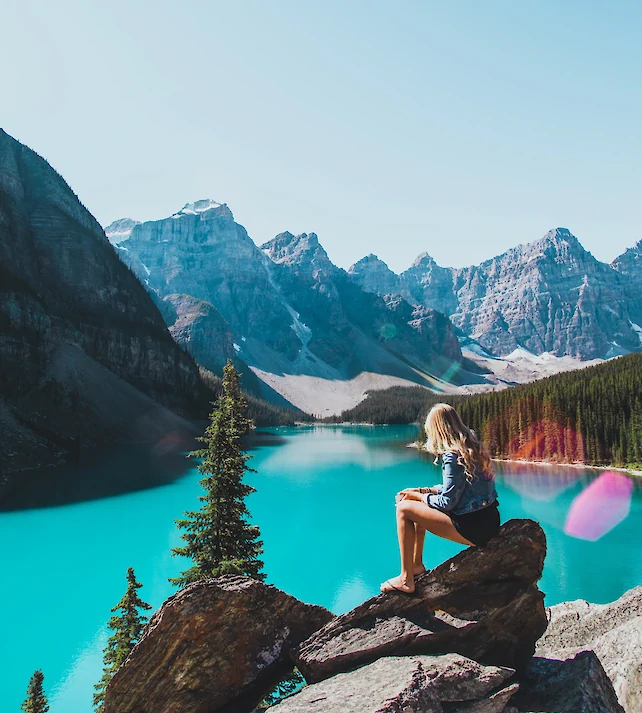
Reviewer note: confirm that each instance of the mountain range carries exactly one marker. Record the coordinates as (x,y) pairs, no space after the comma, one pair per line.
(102,332)
(320,336)
(550,295)
(303,326)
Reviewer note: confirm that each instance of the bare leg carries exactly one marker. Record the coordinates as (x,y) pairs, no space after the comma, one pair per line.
(413,515)
(420,535)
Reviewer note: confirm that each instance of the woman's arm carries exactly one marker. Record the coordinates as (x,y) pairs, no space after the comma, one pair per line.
(453,487)
(420,494)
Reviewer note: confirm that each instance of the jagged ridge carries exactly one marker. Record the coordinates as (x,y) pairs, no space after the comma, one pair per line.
(550,295)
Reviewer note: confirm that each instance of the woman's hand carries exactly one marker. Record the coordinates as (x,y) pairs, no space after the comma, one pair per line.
(410,494)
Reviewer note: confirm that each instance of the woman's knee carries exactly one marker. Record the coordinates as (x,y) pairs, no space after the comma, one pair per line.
(405,508)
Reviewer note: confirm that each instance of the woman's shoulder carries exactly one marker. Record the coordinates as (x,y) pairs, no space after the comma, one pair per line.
(450,457)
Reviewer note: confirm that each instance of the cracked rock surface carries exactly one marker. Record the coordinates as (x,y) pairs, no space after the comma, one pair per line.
(483,603)
(395,684)
(220,642)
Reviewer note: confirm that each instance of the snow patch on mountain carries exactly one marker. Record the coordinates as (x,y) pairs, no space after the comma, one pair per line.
(637,329)
(198,207)
(302,331)
(120,230)
(520,366)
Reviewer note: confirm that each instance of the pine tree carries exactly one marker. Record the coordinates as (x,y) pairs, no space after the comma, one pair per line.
(36,701)
(288,685)
(219,539)
(127,627)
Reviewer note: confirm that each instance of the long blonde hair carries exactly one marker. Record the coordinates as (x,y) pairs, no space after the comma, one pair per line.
(445,431)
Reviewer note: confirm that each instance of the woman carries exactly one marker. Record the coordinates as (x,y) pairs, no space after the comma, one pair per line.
(462,509)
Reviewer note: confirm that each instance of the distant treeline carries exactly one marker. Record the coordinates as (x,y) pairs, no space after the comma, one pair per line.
(592,415)
(261,412)
(398,404)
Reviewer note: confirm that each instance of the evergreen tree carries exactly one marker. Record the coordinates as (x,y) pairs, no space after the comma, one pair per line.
(592,415)
(127,627)
(288,685)
(36,701)
(218,537)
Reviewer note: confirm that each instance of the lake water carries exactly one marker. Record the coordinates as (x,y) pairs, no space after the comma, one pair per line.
(325,506)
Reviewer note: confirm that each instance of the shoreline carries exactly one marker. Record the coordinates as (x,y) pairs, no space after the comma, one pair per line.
(542,463)
(548,464)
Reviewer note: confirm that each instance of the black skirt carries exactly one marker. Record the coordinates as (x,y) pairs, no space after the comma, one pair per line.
(479,526)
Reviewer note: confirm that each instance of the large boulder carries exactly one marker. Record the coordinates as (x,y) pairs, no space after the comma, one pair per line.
(613,631)
(483,603)
(407,683)
(219,643)
(578,685)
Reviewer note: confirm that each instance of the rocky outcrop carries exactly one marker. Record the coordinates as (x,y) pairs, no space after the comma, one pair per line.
(463,644)
(69,308)
(198,326)
(374,275)
(407,684)
(217,645)
(438,329)
(629,263)
(483,603)
(579,684)
(613,631)
(550,295)
(430,284)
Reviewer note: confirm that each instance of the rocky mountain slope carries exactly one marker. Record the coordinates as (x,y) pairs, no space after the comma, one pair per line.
(549,296)
(301,324)
(630,262)
(85,355)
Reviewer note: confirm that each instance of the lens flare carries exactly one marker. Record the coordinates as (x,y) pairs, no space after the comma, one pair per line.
(451,371)
(600,507)
(538,483)
(388,331)
(170,443)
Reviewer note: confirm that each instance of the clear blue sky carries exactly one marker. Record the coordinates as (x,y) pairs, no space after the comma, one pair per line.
(461,128)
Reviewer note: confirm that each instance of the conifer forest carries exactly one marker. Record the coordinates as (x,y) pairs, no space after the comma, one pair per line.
(592,415)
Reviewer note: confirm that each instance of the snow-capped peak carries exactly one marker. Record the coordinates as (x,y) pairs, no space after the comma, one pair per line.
(203,207)
(199,207)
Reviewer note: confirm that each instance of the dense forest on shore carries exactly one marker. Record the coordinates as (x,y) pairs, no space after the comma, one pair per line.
(396,405)
(592,415)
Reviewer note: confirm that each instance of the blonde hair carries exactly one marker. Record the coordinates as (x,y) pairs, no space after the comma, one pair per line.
(445,431)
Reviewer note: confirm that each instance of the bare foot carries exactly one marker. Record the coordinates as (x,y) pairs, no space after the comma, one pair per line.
(418,569)
(398,584)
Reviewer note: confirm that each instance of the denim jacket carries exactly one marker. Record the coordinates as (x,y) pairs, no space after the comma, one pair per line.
(457,495)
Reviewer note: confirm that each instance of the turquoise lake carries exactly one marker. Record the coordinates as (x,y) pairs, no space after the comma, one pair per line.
(325,506)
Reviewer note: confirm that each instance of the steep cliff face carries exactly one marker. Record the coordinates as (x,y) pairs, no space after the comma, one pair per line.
(202,252)
(67,303)
(430,285)
(374,275)
(630,262)
(341,314)
(199,327)
(550,295)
